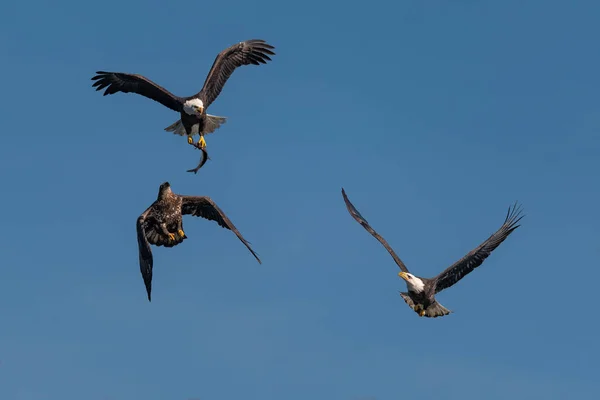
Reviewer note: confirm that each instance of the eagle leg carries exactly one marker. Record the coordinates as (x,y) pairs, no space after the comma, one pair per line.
(202,142)
(419,309)
(163,227)
(180,231)
(190,140)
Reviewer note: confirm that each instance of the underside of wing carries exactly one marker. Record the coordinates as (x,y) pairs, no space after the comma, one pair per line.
(132,83)
(476,256)
(203,206)
(359,218)
(145,252)
(253,52)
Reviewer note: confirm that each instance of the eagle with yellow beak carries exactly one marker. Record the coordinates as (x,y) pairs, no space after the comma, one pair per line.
(194,119)
(421,291)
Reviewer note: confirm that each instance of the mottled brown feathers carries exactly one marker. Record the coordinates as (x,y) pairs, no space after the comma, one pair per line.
(164,217)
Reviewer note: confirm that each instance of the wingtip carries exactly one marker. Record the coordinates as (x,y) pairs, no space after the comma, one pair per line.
(514,216)
(517,210)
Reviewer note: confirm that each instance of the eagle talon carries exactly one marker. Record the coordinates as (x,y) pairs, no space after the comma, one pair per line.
(171,236)
(190,140)
(181,233)
(421,313)
(202,142)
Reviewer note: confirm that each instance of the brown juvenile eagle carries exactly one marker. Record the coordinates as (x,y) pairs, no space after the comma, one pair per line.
(194,119)
(161,225)
(422,291)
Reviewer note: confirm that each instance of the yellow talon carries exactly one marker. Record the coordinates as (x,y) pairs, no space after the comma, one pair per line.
(171,236)
(421,313)
(181,233)
(202,142)
(190,140)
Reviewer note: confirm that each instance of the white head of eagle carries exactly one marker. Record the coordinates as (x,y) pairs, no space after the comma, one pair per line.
(413,283)
(194,106)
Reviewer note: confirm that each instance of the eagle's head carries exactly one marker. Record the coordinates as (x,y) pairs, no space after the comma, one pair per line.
(164,189)
(413,283)
(194,106)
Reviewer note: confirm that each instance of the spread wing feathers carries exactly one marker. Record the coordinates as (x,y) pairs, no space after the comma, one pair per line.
(145,252)
(132,83)
(360,219)
(203,206)
(253,51)
(476,257)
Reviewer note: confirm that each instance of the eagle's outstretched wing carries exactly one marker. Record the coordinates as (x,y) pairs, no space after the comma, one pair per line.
(144,250)
(132,83)
(253,51)
(359,218)
(476,256)
(203,206)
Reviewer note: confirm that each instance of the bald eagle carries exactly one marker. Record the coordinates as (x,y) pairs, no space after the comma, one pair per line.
(421,291)
(161,225)
(194,119)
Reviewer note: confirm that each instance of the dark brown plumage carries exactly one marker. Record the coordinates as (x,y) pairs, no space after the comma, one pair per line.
(162,225)
(421,291)
(192,109)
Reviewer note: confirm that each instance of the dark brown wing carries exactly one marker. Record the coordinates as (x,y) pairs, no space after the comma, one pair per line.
(253,51)
(476,257)
(359,218)
(144,250)
(203,206)
(131,83)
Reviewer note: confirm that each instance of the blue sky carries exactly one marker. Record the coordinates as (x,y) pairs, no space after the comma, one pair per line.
(435,116)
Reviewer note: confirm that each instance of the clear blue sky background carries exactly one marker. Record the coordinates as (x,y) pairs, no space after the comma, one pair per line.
(434,116)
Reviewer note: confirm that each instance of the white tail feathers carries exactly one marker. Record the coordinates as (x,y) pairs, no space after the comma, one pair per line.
(434,310)
(177,128)
(211,123)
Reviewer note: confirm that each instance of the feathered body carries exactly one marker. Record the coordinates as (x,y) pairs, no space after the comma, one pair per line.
(162,225)
(194,120)
(421,297)
(192,110)
(165,210)
(421,291)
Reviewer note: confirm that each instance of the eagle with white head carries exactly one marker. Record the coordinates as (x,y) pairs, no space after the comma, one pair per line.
(421,291)
(194,119)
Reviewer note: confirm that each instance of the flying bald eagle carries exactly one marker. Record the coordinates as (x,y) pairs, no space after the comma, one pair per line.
(422,291)
(194,119)
(161,225)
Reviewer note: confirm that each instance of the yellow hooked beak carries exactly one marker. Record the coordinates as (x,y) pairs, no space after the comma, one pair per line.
(200,109)
(403,275)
